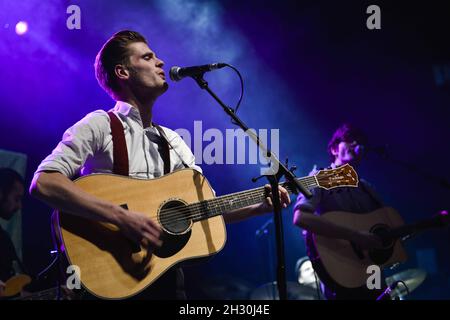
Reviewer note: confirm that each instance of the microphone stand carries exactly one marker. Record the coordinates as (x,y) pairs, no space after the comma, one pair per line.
(273,180)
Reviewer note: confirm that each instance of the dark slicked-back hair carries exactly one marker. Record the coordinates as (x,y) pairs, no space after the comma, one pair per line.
(7,178)
(346,132)
(114,52)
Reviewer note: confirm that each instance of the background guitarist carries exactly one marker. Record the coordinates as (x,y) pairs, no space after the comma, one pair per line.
(131,73)
(11,194)
(344,147)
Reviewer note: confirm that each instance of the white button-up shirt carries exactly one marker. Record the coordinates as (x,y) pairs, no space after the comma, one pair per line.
(87,147)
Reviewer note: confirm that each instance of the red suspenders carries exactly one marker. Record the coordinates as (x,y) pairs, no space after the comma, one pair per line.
(120,151)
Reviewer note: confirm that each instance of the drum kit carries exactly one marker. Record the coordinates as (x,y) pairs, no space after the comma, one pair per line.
(407,280)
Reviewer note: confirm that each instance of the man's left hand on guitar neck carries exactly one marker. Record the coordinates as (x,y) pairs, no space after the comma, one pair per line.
(267,205)
(260,208)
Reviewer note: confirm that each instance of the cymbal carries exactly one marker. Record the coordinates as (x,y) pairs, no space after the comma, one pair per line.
(411,277)
(295,291)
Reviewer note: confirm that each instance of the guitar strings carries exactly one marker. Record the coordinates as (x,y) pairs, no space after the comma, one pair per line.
(199,209)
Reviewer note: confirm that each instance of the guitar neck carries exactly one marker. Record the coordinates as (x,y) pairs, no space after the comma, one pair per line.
(217,206)
(408,230)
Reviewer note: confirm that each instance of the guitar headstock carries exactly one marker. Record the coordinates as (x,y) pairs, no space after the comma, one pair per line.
(344,176)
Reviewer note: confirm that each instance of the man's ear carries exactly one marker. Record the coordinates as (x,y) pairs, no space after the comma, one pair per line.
(121,72)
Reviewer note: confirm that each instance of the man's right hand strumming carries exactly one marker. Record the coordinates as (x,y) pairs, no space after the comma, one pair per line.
(59,192)
(140,229)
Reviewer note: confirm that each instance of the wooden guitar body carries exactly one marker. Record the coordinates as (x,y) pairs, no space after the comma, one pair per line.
(339,264)
(110,265)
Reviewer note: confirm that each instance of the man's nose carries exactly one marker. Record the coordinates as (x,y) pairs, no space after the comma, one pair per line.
(160,63)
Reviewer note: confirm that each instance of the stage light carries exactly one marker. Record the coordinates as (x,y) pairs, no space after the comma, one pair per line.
(21,28)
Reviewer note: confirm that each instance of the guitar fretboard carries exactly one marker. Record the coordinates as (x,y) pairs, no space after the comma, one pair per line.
(217,206)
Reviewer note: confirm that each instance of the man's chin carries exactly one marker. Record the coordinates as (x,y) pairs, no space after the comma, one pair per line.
(163,88)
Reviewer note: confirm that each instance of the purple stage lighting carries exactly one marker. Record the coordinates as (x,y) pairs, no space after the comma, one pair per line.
(21,28)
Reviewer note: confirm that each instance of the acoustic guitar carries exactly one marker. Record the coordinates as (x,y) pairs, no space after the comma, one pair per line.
(340,265)
(182,202)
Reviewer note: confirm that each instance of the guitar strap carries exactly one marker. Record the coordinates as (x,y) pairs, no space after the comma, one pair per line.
(169,145)
(120,152)
(165,152)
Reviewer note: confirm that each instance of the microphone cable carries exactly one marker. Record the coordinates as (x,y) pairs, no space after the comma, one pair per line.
(235,110)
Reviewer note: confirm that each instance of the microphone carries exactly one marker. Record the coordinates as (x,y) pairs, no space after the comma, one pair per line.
(178,73)
(388,290)
(362,149)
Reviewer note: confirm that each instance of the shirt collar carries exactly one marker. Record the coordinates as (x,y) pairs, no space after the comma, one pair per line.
(128,110)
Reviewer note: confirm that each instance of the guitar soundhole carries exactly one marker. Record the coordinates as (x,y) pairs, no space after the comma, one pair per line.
(174,217)
(380,256)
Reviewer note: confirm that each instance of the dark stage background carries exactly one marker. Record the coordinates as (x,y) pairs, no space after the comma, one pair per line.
(307,67)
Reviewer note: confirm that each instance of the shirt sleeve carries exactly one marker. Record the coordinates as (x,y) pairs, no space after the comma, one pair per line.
(78,143)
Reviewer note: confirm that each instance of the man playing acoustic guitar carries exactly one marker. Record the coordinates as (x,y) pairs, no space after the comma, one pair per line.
(344,147)
(131,73)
